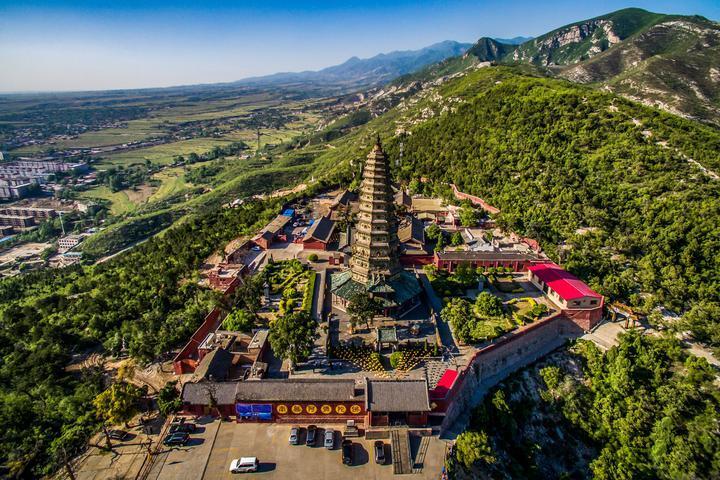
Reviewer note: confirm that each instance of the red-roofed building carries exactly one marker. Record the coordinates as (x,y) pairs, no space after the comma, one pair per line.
(578,301)
(440,396)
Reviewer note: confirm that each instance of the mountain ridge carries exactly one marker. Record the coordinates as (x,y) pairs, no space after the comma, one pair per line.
(375,70)
(663,60)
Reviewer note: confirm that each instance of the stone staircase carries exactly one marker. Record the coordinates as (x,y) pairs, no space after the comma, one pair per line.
(419,462)
(400,440)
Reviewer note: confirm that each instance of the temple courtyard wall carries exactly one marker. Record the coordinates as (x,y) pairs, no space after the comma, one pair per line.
(494,363)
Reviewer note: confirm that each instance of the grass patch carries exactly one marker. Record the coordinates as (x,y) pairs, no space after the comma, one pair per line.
(120,203)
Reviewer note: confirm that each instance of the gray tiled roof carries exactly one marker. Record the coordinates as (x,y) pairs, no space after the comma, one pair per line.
(320,230)
(299,390)
(215,365)
(199,393)
(397,395)
(489,256)
(412,230)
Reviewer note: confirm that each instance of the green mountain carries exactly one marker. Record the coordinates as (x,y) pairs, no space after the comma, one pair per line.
(582,40)
(668,61)
(624,195)
(490,50)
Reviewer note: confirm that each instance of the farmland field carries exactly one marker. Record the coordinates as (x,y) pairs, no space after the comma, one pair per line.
(164,154)
(120,202)
(173,181)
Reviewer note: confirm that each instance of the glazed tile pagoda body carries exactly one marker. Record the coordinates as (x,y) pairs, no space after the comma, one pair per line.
(375,250)
(375,264)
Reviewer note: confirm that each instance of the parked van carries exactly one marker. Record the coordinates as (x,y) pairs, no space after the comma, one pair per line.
(244,464)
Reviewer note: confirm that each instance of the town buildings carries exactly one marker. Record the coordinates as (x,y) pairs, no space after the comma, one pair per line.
(19,178)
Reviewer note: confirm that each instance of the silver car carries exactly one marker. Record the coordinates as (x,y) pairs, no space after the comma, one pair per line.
(329,441)
(294,436)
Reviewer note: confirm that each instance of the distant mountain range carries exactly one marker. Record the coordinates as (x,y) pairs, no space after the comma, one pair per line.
(369,71)
(668,61)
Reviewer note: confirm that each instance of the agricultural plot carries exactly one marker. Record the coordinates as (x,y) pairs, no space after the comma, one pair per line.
(166,153)
(172,181)
(120,202)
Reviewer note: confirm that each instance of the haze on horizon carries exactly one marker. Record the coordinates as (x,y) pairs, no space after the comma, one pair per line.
(92,45)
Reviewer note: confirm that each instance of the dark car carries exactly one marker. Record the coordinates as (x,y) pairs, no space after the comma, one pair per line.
(183,427)
(118,435)
(347,452)
(311,436)
(379,449)
(176,439)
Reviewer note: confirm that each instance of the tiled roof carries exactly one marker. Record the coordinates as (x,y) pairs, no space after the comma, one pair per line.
(564,283)
(396,395)
(401,287)
(200,393)
(412,230)
(320,230)
(466,255)
(298,390)
(215,365)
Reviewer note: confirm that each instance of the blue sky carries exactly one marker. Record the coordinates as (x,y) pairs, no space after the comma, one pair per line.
(95,45)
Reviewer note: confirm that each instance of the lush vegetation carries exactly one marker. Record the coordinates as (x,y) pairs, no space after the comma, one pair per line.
(146,301)
(478,322)
(643,410)
(606,177)
(292,336)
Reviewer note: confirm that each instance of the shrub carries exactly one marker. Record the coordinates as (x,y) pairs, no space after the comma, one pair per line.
(472,447)
(395,358)
(313,257)
(238,321)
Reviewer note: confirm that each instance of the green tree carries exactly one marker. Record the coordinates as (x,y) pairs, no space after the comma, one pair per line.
(363,308)
(433,232)
(456,239)
(116,405)
(457,313)
(239,320)
(468,216)
(168,399)
(395,358)
(488,305)
(472,447)
(292,336)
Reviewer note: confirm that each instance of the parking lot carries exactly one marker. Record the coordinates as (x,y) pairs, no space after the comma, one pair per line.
(209,453)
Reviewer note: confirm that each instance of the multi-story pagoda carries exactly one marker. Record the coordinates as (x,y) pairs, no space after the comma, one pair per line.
(375,263)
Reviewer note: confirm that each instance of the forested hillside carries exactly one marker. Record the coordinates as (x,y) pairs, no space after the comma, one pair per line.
(606,185)
(147,300)
(643,410)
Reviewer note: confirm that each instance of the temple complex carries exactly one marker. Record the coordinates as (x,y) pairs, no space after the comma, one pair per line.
(375,264)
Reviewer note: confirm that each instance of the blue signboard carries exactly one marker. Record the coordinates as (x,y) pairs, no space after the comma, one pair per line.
(253,411)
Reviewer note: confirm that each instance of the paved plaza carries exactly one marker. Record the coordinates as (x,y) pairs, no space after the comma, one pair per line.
(212,450)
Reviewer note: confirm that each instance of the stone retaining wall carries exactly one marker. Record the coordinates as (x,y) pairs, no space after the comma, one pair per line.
(497,361)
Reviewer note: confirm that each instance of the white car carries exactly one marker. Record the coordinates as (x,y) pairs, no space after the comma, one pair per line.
(244,465)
